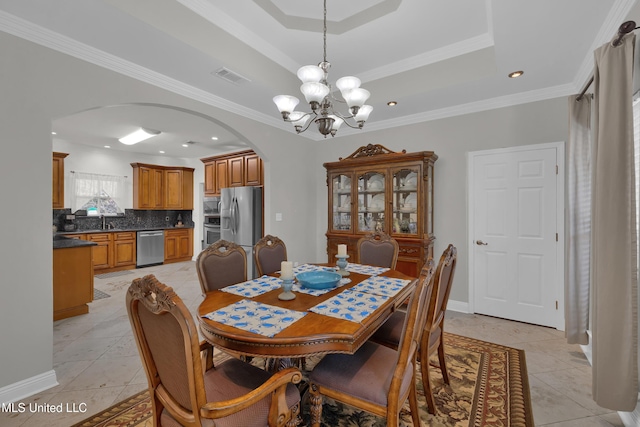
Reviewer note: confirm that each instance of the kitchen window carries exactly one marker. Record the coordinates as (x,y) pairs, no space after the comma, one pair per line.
(97,194)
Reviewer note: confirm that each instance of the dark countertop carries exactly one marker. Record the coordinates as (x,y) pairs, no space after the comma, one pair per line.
(61,242)
(114,230)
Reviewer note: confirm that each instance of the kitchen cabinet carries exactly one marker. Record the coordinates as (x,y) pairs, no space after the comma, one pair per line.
(113,251)
(378,189)
(178,245)
(232,170)
(103,252)
(124,249)
(162,187)
(72,281)
(58,180)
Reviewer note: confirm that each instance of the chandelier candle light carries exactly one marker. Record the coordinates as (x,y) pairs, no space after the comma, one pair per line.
(318,93)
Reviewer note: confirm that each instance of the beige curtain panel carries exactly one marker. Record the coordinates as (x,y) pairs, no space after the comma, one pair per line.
(613,223)
(578,221)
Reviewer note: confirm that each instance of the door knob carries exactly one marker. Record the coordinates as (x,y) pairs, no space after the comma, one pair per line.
(481,243)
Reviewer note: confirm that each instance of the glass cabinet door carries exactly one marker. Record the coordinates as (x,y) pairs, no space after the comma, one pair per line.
(372,202)
(406,203)
(341,202)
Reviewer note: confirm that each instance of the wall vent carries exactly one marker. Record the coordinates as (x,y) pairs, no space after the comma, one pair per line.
(231,76)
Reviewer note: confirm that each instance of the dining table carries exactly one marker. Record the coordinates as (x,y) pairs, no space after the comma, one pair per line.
(249,319)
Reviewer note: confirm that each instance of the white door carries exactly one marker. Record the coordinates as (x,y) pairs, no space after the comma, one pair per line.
(516,226)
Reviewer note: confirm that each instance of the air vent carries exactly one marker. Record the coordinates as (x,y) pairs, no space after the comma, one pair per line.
(231,76)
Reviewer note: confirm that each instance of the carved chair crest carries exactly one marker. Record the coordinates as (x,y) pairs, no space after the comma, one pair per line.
(155,296)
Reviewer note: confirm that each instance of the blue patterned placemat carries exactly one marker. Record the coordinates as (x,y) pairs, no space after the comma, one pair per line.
(255,317)
(379,285)
(350,305)
(366,269)
(317,292)
(303,268)
(252,288)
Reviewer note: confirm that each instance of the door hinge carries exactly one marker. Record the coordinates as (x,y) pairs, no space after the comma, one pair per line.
(556,169)
(556,305)
(556,237)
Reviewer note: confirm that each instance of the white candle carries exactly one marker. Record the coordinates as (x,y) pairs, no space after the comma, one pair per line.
(286,270)
(342,250)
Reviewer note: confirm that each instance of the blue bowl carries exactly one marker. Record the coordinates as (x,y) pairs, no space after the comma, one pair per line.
(319,279)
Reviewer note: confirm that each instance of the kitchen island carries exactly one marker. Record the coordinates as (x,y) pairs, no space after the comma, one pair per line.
(72,277)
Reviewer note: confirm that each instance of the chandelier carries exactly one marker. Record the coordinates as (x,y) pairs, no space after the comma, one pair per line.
(317,92)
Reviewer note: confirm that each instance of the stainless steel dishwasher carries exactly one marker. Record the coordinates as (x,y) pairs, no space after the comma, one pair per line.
(150,248)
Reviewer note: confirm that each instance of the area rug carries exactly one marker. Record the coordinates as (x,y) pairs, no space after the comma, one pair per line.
(489,387)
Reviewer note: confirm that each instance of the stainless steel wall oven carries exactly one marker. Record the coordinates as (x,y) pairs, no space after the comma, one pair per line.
(211,229)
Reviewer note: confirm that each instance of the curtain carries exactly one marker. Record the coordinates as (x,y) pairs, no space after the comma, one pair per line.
(578,221)
(105,193)
(613,250)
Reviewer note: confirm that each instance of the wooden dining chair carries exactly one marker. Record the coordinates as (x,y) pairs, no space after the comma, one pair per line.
(221,264)
(376,378)
(378,249)
(186,393)
(268,253)
(390,333)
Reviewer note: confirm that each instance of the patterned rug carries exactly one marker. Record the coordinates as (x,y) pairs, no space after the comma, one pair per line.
(489,387)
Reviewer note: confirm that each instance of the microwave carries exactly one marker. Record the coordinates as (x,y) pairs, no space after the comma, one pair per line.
(211,206)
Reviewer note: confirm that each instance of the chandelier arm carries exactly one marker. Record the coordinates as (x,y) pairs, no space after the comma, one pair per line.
(308,123)
(288,120)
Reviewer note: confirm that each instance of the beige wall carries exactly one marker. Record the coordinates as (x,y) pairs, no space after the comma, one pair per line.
(39,85)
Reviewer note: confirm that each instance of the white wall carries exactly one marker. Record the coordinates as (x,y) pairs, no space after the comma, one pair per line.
(451,139)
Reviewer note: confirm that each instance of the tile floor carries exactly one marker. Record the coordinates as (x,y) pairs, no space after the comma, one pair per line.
(97,363)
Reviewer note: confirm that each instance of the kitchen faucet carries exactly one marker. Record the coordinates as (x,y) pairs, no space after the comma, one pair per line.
(104,225)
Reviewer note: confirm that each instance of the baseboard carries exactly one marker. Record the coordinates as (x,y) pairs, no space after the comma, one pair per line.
(28,387)
(631,419)
(460,306)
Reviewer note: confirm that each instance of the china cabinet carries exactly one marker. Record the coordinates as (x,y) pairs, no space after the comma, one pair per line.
(378,189)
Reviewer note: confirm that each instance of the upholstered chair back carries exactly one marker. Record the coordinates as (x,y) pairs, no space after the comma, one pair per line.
(221,264)
(268,253)
(378,249)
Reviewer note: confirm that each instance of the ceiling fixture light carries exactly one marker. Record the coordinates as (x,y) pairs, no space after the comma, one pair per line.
(140,135)
(185,145)
(53,133)
(515,74)
(215,138)
(317,92)
(392,103)
(161,152)
(107,146)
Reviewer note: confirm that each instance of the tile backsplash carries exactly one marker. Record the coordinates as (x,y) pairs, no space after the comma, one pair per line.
(131,219)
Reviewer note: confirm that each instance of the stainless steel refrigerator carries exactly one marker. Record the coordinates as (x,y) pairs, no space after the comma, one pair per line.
(241,219)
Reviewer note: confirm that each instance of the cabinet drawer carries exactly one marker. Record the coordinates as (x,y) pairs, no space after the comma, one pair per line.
(124,235)
(409,251)
(184,232)
(99,237)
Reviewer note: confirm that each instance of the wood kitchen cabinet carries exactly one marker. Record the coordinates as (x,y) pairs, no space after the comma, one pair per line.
(58,180)
(178,245)
(114,251)
(162,187)
(232,170)
(72,281)
(378,189)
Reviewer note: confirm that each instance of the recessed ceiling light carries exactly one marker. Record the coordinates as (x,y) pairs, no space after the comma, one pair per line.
(161,152)
(515,74)
(139,135)
(215,138)
(107,146)
(185,145)
(392,103)
(53,133)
